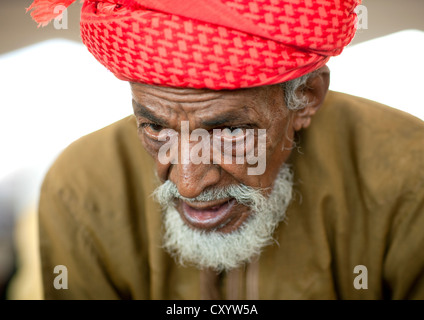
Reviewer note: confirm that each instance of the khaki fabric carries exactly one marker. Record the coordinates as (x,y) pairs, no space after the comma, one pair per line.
(359,200)
(26,282)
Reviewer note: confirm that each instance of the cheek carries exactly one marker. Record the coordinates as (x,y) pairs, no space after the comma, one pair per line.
(283,146)
(153,149)
(149,146)
(280,155)
(278,150)
(275,156)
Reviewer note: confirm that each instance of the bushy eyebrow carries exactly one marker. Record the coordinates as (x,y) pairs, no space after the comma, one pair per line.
(142,111)
(226,118)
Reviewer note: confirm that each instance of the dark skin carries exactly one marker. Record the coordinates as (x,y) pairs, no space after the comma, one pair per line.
(157,108)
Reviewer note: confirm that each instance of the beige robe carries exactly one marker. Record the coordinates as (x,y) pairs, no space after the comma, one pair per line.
(359,201)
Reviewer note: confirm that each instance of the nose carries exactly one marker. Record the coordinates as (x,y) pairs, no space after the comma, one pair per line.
(191,179)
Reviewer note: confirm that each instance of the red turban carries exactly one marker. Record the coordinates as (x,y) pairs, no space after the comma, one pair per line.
(216,44)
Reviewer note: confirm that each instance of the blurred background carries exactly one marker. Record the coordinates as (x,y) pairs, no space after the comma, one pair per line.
(52,91)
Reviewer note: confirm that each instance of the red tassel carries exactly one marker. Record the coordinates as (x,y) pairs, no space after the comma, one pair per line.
(44,11)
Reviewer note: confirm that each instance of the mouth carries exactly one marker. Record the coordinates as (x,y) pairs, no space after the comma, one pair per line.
(208,215)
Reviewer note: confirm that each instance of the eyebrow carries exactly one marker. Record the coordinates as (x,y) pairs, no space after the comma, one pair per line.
(142,111)
(229,117)
(225,118)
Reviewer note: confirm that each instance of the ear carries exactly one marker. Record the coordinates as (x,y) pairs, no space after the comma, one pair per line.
(315,91)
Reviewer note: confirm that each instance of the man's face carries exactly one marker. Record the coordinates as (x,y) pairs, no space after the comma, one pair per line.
(157,108)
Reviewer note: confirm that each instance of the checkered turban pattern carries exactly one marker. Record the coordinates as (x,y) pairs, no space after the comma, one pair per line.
(216,44)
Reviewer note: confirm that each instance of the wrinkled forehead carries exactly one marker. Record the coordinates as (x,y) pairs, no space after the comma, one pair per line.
(247,96)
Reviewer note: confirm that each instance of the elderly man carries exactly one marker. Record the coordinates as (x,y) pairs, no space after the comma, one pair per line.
(251,181)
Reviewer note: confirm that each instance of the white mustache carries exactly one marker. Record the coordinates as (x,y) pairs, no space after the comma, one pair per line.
(168,191)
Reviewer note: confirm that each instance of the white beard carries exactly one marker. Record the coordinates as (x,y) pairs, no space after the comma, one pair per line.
(225,251)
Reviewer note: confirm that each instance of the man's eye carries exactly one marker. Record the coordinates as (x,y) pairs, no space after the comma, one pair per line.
(232,132)
(151,129)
